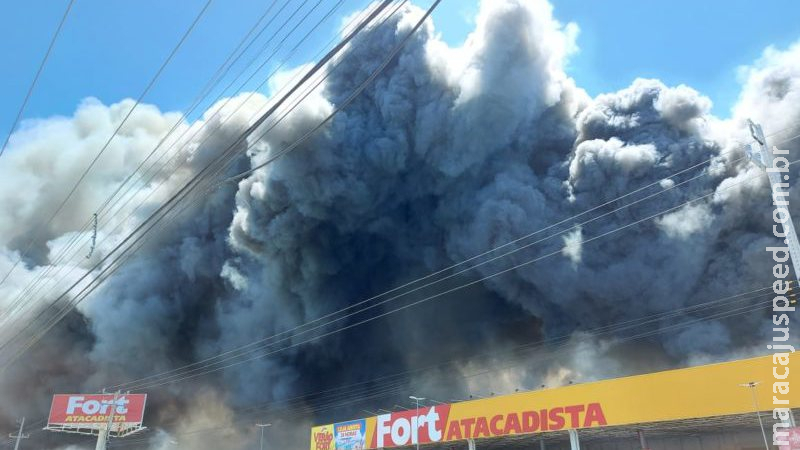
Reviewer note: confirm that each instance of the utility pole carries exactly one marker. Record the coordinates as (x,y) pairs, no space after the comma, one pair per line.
(20,435)
(102,436)
(752,386)
(415,431)
(262,426)
(764,158)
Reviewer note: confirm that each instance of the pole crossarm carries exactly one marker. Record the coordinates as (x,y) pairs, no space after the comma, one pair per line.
(20,434)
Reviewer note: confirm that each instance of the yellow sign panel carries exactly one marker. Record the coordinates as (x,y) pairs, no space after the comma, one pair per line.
(695,392)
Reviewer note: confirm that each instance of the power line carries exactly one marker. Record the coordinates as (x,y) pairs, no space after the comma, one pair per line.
(616,328)
(729,186)
(637,221)
(362,388)
(36,76)
(76,235)
(799,136)
(223,69)
(405,293)
(366,391)
(315,27)
(392,298)
(504,245)
(789,139)
(210,119)
(175,377)
(105,146)
(358,388)
(195,181)
(606,329)
(437,281)
(327,73)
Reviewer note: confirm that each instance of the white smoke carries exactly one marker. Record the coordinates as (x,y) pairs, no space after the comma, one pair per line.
(450,152)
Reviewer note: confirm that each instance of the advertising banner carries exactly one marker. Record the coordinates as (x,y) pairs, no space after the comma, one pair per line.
(351,435)
(89,411)
(322,438)
(695,392)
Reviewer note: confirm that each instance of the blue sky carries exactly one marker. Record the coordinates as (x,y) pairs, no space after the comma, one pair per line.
(110,49)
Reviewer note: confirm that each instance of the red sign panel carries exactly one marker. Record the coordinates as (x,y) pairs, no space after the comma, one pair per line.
(424,425)
(793,439)
(94,411)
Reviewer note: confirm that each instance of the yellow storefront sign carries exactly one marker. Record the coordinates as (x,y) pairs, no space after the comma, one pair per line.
(695,392)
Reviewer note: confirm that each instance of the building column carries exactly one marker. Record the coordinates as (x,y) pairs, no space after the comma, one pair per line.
(642,440)
(574,441)
(471,444)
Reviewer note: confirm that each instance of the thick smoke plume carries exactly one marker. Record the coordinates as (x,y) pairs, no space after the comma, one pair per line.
(449,153)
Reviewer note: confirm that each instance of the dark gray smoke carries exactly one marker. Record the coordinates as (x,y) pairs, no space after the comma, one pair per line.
(449,153)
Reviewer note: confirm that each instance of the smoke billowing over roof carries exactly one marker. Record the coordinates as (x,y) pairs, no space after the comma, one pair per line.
(449,153)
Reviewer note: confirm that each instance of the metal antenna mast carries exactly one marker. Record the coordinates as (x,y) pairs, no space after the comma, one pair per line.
(765,159)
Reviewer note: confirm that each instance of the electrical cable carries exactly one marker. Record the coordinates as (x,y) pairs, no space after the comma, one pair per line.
(36,76)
